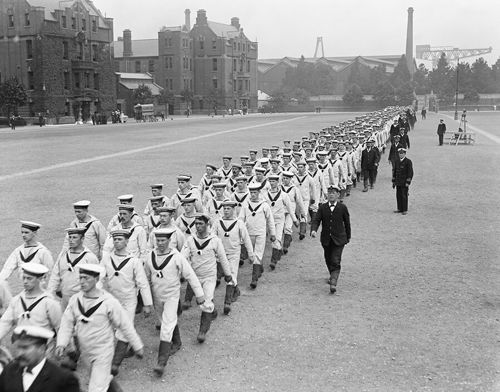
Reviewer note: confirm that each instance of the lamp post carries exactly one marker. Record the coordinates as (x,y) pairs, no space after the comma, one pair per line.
(456,93)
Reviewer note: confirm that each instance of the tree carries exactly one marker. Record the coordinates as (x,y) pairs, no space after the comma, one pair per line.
(401,74)
(471,96)
(384,94)
(421,80)
(495,70)
(142,94)
(441,80)
(405,94)
(166,97)
(377,75)
(301,95)
(12,95)
(353,95)
(278,100)
(482,76)
(213,98)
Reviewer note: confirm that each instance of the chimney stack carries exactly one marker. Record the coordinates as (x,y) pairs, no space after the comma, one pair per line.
(235,22)
(127,43)
(187,19)
(201,18)
(409,42)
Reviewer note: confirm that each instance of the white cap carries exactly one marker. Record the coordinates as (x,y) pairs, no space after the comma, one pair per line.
(36,269)
(33,226)
(33,331)
(82,204)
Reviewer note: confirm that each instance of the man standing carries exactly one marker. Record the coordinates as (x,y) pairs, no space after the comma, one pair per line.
(31,251)
(234,235)
(335,233)
(401,180)
(165,267)
(370,158)
(93,315)
(65,278)
(203,250)
(125,277)
(33,306)
(31,370)
(440,131)
(95,233)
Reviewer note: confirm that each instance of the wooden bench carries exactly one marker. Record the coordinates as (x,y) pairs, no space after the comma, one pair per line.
(460,137)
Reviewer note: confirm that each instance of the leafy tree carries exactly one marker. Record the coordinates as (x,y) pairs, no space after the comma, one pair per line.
(441,80)
(401,74)
(421,80)
(187,96)
(166,97)
(12,95)
(278,100)
(213,98)
(384,94)
(377,75)
(495,70)
(353,95)
(301,95)
(471,96)
(142,94)
(405,94)
(482,76)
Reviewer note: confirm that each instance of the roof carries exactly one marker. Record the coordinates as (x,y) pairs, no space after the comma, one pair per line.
(134,76)
(52,5)
(171,28)
(140,48)
(134,85)
(223,30)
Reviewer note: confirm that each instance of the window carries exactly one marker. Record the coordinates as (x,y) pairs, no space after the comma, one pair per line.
(95,56)
(27,19)
(31,83)
(241,65)
(29,49)
(247,85)
(243,47)
(171,84)
(190,64)
(186,84)
(11,20)
(202,44)
(234,85)
(248,65)
(168,62)
(239,46)
(77,80)
(64,21)
(96,81)
(66,80)
(240,85)
(137,66)
(191,84)
(214,84)
(65,50)
(84,25)
(214,44)
(151,65)
(234,45)
(185,42)
(73,23)
(169,42)
(185,63)
(87,80)
(235,65)
(214,64)
(94,25)
(79,54)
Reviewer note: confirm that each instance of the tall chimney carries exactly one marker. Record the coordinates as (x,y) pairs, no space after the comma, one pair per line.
(127,43)
(201,17)
(409,42)
(235,22)
(187,19)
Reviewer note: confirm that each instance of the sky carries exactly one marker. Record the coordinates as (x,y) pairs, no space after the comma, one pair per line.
(348,27)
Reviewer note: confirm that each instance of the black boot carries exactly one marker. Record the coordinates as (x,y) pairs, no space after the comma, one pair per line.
(188,297)
(243,255)
(275,256)
(228,299)
(176,340)
(302,230)
(120,353)
(205,321)
(287,241)
(163,354)
(334,276)
(114,386)
(236,294)
(140,305)
(255,275)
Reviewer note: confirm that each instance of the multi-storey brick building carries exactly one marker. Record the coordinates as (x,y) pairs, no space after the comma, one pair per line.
(61,52)
(135,56)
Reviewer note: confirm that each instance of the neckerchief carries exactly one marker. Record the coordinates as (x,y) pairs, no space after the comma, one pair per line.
(28,309)
(159,268)
(273,200)
(188,226)
(29,258)
(87,313)
(202,246)
(227,229)
(73,263)
(253,210)
(240,201)
(122,264)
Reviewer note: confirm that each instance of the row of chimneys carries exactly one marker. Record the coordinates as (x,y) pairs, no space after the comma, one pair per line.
(201,19)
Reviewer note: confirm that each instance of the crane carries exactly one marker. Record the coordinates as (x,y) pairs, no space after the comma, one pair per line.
(319,44)
(426,52)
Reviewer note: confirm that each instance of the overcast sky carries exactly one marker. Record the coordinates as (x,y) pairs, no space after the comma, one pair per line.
(348,27)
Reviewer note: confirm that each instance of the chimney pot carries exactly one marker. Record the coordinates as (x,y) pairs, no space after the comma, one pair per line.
(187,19)
(235,22)
(127,43)
(201,17)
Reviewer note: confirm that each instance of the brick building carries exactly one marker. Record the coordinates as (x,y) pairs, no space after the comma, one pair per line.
(205,66)
(60,51)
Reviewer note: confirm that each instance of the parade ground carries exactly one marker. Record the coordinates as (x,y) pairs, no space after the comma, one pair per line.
(418,300)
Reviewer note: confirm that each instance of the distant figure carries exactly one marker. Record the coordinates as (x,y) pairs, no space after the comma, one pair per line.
(441,130)
(40,119)
(424,113)
(12,122)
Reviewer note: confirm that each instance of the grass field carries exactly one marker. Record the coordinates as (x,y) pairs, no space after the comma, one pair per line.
(418,301)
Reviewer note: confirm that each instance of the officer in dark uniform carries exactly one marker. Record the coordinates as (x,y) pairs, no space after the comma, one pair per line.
(370,158)
(402,175)
(335,233)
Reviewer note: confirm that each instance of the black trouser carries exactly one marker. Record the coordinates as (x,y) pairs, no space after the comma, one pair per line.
(369,175)
(441,135)
(333,256)
(402,198)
